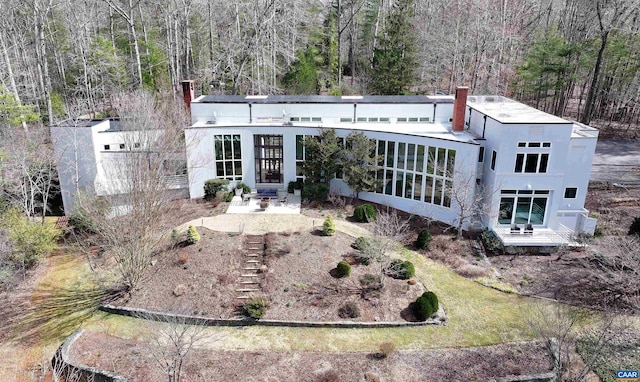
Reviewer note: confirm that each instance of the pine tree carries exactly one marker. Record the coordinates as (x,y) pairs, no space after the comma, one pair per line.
(359,163)
(394,60)
(321,153)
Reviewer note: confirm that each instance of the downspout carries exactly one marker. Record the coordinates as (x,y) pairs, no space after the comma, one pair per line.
(434,112)
(250,116)
(484,126)
(355,105)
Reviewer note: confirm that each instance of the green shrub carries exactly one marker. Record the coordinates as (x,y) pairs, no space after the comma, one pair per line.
(228,196)
(192,235)
(634,228)
(297,185)
(343,269)
(81,222)
(255,307)
(315,191)
(422,242)
(245,189)
(425,306)
(399,269)
(212,186)
(30,241)
(491,243)
(361,243)
(364,213)
(349,310)
(329,227)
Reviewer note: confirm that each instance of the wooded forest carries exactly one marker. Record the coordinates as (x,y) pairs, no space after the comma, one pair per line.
(573,58)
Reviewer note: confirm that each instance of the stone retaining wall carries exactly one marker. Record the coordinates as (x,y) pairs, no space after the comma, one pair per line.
(550,376)
(205,321)
(64,366)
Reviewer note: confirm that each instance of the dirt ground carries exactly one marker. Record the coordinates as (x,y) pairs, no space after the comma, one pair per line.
(136,360)
(298,280)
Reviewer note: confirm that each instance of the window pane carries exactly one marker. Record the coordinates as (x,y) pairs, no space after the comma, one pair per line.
(544,159)
(238,168)
(431,160)
(446,201)
(388,187)
(532,163)
(428,189)
(390,153)
(236,147)
(522,210)
(417,187)
(441,158)
(399,182)
(228,168)
(381,148)
(411,156)
(519,162)
(494,156)
(420,159)
(570,192)
(401,155)
(219,169)
(380,181)
(227,147)
(451,161)
(537,210)
(299,147)
(506,210)
(481,154)
(218,146)
(408,185)
(299,167)
(437,195)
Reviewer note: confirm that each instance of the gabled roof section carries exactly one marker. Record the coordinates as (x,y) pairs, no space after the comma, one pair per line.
(293,99)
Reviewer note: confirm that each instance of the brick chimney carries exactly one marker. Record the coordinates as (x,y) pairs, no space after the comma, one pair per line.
(459,109)
(187,93)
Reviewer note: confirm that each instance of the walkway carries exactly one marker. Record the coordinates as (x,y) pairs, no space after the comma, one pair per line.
(252,206)
(259,224)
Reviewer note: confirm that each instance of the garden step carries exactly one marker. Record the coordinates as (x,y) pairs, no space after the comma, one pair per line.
(253,261)
(248,282)
(254,242)
(248,290)
(252,255)
(250,275)
(250,269)
(245,297)
(254,249)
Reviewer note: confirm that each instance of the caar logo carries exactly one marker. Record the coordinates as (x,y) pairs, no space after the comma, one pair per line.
(627,375)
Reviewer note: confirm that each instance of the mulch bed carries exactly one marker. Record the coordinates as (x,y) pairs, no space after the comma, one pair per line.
(135,360)
(298,280)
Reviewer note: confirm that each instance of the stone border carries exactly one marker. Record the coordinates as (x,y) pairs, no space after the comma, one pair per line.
(549,376)
(207,321)
(63,363)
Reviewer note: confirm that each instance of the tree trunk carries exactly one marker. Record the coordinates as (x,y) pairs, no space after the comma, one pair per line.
(593,88)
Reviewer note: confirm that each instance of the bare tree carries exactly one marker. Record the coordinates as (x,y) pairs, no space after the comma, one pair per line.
(140,181)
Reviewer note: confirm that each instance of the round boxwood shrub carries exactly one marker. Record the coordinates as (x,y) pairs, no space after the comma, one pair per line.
(399,269)
(634,228)
(364,213)
(329,227)
(192,235)
(425,306)
(343,269)
(423,240)
(315,191)
(243,186)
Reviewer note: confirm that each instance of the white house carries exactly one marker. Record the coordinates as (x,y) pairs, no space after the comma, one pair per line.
(439,153)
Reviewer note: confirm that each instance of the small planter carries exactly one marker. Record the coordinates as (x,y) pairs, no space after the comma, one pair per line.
(264,203)
(239,191)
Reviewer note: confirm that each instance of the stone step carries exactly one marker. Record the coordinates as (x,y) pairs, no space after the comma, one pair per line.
(254,242)
(250,275)
(252,255)
(245,290)
(248,282)
(253,249)
(250,269)
(253,261)
(244,297)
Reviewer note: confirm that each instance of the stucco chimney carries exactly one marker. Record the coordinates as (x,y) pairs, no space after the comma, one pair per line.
(187,93)
(459,108)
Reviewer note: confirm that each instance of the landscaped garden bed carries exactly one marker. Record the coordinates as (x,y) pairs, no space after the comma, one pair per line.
(296,276)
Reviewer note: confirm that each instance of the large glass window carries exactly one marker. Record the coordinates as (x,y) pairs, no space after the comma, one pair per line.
(531,163)
(523,207)
(268,156)
(228,156)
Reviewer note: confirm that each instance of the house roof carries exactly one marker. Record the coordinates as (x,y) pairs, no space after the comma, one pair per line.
(508,111)
(288,99)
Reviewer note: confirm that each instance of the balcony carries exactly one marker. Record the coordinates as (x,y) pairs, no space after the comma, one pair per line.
(540,237)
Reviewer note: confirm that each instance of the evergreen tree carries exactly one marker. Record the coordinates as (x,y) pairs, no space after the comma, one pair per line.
(321,155)
(394,59)
(359,163)
(302,77)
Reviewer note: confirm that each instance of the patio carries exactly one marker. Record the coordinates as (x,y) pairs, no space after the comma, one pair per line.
(540,237)
(276,206)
